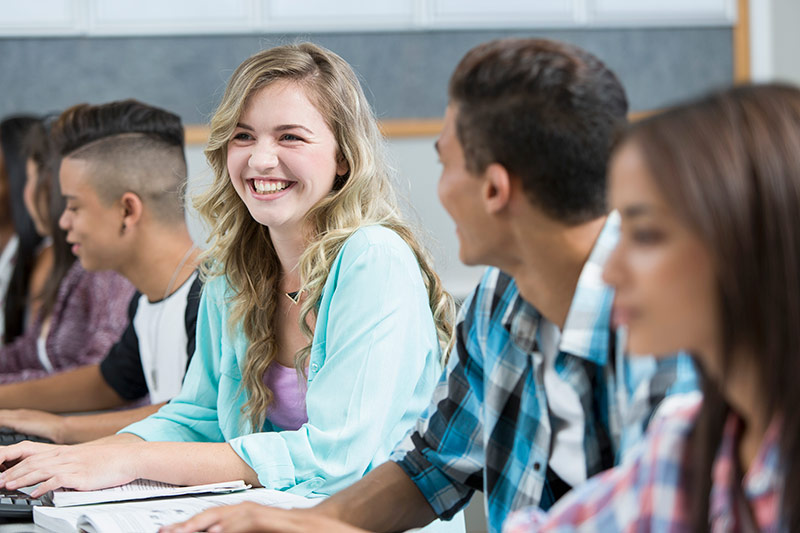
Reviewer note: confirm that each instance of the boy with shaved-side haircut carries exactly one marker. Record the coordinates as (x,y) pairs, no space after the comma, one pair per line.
(122,173)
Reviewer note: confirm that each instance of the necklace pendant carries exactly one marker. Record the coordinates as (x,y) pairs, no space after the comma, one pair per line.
(293,296)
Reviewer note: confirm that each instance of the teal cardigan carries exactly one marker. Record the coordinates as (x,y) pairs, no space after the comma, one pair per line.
(375,360)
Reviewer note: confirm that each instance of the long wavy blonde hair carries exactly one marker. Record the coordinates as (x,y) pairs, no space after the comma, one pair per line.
(241,248)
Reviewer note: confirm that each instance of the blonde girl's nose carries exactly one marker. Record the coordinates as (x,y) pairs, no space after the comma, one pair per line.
(263,156)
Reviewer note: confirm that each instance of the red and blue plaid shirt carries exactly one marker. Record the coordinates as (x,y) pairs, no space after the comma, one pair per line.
(649,492)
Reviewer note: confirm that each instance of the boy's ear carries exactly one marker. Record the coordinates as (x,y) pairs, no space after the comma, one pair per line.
(132,209)
(497,188)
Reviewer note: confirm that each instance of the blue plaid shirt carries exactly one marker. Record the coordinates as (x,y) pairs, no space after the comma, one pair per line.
(488,426)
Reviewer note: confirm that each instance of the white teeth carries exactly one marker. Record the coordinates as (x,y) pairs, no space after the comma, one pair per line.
(269,187)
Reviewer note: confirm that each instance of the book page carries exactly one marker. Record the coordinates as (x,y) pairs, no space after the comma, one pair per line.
(138,490)
(133,521)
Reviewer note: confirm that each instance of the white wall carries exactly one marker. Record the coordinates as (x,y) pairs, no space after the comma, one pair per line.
(775,40)
(182,17)
(418,172)
(786,40)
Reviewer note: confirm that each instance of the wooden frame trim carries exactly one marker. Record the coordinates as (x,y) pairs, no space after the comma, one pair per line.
(741,43)
(196,134)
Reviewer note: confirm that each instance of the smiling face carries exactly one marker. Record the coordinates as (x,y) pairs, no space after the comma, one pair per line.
(282,158)
(92,227)
(663,275)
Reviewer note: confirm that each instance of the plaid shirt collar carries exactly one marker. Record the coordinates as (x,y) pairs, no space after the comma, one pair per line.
(761,484)
(586,331)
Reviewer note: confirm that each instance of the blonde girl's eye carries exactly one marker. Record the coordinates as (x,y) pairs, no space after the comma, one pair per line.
(242,136)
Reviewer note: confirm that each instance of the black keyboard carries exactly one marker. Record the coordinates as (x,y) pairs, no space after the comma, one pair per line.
(17,504)
(9,436)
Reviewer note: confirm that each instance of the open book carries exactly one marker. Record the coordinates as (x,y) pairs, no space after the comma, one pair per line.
(148,516)
(141,489)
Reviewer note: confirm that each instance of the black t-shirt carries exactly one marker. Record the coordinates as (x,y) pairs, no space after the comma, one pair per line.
(122,368)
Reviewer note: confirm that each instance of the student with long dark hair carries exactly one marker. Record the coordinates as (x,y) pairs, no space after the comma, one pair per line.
(20,244)
(709,260)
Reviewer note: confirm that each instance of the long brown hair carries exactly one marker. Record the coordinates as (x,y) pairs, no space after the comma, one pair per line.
(47,195)
(729,165)
(12,169)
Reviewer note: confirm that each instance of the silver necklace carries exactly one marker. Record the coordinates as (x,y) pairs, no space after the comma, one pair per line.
(155,338)
(178,270)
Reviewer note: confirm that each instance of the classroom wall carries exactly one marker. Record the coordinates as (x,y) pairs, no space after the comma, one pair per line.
(775,40)
(786,40)
(70,51)
(404,73)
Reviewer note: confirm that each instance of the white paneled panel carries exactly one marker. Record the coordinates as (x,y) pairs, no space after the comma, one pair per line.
(662,12)
(42,17)
(176,17)
(171,17)
(527,13)
(341,15)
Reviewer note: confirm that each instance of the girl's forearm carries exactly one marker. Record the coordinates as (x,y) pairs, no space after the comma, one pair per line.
(192,463)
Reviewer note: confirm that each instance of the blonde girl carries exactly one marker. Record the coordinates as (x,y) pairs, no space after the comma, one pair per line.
(322,327)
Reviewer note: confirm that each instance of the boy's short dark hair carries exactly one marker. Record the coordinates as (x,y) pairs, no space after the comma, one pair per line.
(84,124)
(131,147)
(548,112)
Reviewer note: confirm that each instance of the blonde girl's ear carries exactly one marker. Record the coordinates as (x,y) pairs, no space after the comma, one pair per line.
(342,166)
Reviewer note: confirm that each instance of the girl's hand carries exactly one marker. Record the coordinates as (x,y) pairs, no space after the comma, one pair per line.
(80,467)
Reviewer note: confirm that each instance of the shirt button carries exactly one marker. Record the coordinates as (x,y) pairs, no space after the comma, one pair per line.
(537,466)
(314,367)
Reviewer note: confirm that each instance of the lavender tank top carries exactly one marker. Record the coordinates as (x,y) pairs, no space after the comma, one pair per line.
(288,409)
